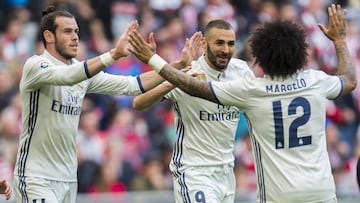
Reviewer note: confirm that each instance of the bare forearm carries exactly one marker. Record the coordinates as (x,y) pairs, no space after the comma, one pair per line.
(346,68)
(150,80)
(187,83)
(153,96)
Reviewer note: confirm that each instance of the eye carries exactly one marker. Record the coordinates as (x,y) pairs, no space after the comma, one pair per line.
(219,43)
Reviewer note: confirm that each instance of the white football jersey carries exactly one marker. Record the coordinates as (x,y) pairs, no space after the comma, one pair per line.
(52,94)
(205,130)
(287,126)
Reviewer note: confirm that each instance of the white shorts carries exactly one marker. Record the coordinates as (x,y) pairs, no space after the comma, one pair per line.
(40,190)
(205,184)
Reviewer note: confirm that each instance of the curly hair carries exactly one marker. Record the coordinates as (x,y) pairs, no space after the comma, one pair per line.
(48,20)
(279,48)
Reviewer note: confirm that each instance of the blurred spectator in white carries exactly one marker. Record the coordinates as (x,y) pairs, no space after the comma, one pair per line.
(123,12)
(90,140)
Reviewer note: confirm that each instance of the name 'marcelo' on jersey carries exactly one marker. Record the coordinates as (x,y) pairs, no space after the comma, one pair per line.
(290,154)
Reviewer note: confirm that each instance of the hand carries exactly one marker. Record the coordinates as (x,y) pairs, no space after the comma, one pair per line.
(192,49)
(140,48)
(122,45)
(336,23)
(5,189)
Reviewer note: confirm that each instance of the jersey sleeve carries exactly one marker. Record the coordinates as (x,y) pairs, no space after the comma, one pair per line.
(40,71)
(105,83)
(332,85)
(232,93)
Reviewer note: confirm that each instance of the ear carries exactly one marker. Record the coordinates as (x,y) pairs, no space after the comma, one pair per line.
(203,43)
(49,37)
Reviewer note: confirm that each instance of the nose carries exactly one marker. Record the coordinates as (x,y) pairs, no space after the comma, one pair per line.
(226,48)
(75,36)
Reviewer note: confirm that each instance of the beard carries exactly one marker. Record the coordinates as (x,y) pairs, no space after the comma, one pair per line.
(212,57)
(61,49)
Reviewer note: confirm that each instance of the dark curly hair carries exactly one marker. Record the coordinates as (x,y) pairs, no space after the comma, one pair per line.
(48,20)
(279,47)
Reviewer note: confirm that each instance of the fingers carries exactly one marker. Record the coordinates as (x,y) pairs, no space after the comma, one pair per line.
(152,41)
(323,28)
(132,26)
(6,189)
(196,39)
(8,193)
(136,40)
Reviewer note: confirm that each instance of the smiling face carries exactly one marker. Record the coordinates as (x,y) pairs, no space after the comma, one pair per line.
(64,43)
(219,46)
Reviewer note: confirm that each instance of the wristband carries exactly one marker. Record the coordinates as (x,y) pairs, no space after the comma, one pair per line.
(106,59)
(157,63)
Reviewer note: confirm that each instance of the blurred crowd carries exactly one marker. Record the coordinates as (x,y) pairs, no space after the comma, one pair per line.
(120,149)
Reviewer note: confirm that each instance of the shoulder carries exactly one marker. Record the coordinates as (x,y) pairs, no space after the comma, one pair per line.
(312,73)
(238,62)
(36,63)
(239,66)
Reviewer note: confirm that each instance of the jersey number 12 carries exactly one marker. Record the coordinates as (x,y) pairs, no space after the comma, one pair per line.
(294,140)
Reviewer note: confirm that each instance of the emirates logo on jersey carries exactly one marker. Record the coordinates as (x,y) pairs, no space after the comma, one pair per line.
(44,64)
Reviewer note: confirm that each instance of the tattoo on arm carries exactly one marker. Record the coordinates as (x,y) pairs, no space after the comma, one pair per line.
(187,83)
(346,69)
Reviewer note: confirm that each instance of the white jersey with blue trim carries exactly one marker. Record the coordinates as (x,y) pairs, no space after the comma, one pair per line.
(52,94)
(205,130)
(287,126)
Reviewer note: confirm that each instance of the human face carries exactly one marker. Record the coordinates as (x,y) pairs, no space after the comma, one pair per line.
(219,48)
(66,38)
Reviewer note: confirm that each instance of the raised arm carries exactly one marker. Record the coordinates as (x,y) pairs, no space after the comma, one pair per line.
(182,80)
(336,32)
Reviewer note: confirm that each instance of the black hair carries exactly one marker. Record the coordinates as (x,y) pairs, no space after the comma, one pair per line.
(217,23)
(279,47)
(48,20)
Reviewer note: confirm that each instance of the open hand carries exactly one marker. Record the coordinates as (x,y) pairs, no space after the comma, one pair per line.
(140,48)
(192,49)
(122,45)
(336,24)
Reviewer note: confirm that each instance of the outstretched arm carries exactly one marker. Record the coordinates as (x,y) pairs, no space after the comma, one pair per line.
(5,188)
(182,80)
(151,97)
(336,32)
